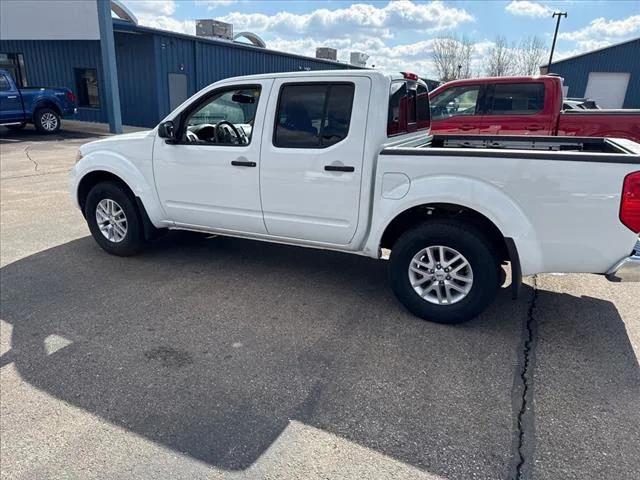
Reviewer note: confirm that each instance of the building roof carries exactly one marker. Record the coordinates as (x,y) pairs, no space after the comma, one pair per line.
(592,51)
(125,26)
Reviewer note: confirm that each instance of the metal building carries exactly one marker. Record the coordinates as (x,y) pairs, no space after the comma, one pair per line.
(157,70)
(610,75)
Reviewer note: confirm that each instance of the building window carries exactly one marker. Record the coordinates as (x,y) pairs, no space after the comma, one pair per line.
(313,115)
(87,87)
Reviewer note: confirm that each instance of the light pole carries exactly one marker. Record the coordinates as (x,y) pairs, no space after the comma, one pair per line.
(555,35)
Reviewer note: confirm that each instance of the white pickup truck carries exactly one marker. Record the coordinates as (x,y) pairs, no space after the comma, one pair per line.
(343,160)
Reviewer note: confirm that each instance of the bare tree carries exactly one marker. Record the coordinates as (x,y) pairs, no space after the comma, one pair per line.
(452,57)
(530,55)
(502,59)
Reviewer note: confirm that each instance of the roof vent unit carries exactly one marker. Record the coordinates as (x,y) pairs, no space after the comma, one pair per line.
(208,28)
(327,53)
(358,59)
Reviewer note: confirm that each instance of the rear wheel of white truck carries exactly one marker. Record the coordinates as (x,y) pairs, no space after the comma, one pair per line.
(444,271)
(114,220)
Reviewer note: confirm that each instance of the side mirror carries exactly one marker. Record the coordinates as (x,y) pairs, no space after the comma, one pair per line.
(167,130)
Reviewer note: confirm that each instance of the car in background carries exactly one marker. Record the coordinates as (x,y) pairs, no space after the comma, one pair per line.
(42,106)
(522,106)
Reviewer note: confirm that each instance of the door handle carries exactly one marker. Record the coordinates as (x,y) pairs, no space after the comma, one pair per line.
(338,168)
(12,96)
(466,127)
(242,163)
(533,128)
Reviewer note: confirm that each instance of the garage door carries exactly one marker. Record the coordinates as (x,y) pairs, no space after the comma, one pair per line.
(608,89)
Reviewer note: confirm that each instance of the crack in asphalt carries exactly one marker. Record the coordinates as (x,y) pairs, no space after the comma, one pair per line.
(39,174)
(26,151)
(525,414)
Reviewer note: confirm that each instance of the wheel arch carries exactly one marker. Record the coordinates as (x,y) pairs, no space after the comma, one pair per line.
(418,214)
(415,215)
(94,177)
(47,104)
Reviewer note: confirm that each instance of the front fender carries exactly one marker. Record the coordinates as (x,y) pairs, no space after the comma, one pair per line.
(137,179)
(472,193)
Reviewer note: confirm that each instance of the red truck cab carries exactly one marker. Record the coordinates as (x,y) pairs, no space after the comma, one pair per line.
(522,106)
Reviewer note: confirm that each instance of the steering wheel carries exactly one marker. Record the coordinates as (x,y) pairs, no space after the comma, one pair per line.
(231,126)
(192,137)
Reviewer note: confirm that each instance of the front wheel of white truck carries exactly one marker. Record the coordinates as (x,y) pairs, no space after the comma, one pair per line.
(444,271)
(114,219)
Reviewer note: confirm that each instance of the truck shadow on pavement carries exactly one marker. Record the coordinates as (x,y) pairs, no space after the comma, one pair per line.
(211,346)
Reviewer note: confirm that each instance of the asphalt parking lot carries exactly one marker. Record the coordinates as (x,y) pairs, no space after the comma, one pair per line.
(225,358)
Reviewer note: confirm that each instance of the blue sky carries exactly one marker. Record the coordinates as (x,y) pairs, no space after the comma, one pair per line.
(398,35)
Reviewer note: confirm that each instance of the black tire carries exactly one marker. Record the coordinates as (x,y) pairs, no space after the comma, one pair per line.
(133,241)
(15,128)
(468,241)
(46,120)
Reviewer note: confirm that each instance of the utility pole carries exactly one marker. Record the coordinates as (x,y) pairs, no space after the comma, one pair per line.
(555,35)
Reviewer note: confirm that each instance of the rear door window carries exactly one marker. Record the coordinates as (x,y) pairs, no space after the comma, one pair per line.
(515,99)
(313,115)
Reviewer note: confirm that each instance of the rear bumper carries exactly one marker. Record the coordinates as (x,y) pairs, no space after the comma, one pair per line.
(627,269)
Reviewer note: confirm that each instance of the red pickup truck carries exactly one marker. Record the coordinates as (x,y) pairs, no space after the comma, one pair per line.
(522,106)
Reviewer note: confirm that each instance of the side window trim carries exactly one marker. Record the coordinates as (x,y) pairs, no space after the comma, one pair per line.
(482,104)
(203,100)
(329,86)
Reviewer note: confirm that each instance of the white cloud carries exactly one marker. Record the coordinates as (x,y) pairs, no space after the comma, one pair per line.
(599,33)
(414,57)
(213,4)
(164,22)
(153,7)
(364,20)
(158,14)
(601,28)
(526,8)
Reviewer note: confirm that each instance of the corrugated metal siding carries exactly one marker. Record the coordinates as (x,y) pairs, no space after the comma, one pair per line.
(173,55)
(218,62)
(137,79)
(205,63)
(52,63)
(619,58)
